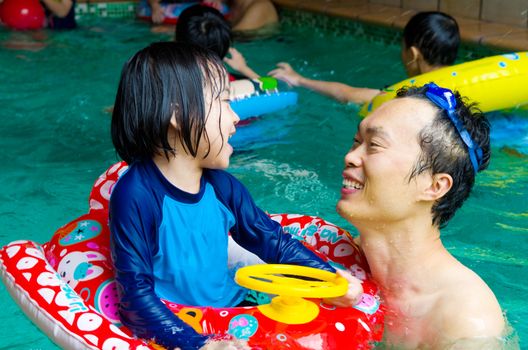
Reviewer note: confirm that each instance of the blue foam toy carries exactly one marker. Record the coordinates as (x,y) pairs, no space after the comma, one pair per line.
(256,105)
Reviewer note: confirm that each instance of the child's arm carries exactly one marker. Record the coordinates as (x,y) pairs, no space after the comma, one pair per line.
(238,63)
(255,231)
(132,244)
(338,91)
(157,14)
(60,8)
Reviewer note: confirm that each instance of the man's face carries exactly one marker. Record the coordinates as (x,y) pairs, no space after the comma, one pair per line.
(376,186)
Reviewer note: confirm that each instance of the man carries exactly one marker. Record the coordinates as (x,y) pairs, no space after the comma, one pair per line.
(412,165)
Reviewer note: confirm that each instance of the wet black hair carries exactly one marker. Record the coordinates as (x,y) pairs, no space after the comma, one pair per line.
(435,34)
(443,151)
(162,81)
(206,27)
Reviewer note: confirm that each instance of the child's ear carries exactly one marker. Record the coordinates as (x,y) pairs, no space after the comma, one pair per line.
(416,54)
(173,122)
(440,184)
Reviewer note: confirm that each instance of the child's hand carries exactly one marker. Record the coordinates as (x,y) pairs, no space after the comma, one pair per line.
(225,345)
(236,61)
(286,73)
(157,13)
(353,295)
(216,4)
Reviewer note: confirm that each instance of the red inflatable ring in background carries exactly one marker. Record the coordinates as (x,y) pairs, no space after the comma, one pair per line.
(22,14)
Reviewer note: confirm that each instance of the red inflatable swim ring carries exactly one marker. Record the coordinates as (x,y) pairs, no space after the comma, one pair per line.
(67,287)
(22,14)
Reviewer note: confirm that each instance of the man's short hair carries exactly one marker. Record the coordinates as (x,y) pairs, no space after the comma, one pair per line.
(444,151)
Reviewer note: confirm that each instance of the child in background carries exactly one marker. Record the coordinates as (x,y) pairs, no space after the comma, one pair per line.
(206,27)
(171,212)
(250,15)
(430,42)
(60,14)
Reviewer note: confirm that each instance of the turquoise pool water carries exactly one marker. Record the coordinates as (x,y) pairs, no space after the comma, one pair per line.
(55,141)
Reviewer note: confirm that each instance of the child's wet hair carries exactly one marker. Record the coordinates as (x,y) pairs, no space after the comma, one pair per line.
(162,81)
(435,34)
(206,27)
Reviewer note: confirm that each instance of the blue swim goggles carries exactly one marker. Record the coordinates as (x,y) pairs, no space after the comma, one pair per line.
(445,99)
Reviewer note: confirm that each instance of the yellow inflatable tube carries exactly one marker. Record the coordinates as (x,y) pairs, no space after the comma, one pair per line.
(495,83)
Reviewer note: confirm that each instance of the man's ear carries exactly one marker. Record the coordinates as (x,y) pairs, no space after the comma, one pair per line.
(440,184)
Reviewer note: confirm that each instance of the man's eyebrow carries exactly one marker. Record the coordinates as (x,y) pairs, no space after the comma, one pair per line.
(373,130)
(377,130)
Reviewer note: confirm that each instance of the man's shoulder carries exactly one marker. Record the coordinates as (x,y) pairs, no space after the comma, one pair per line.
(470,309)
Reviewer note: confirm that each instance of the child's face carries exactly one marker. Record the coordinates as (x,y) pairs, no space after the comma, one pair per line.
(219,126)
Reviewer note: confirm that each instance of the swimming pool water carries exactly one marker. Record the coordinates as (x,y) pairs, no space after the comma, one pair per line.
(55,141)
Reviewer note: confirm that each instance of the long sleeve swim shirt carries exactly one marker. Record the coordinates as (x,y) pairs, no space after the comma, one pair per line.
(171,244)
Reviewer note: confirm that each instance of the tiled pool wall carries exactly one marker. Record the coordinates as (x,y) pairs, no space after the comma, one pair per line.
(342,26)
(512,12)
(89,9)
(377,33)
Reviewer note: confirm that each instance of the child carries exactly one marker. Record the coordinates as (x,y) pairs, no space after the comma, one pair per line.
(206,27)
(430,42)
(171,212)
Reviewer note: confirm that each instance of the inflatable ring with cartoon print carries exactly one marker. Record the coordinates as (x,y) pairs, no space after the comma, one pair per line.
(67,288)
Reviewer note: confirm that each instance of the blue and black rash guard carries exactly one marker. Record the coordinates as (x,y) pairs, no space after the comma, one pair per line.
(167,243)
